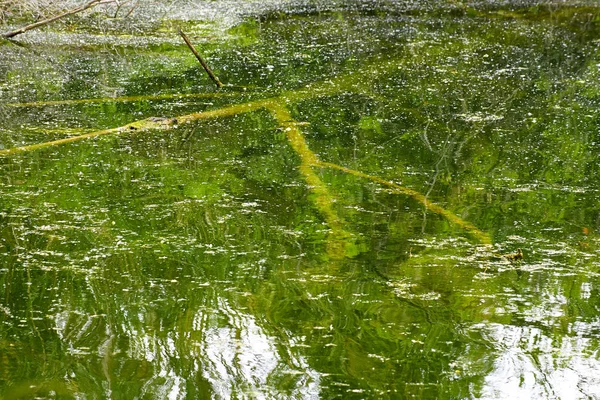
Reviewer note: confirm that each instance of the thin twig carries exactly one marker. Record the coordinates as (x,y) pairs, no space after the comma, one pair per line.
(204,65)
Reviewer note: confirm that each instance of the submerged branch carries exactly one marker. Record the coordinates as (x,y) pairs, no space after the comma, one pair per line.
(277,105)
(395,188)
(204,65)
(341,242)
(93,3)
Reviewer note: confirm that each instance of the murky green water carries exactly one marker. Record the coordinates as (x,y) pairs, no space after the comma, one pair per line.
(214,259)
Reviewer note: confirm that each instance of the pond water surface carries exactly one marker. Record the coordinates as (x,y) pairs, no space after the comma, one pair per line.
(336,229)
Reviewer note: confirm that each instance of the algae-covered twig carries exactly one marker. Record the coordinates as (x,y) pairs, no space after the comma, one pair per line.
(395,188)
(204,65)
(90,4)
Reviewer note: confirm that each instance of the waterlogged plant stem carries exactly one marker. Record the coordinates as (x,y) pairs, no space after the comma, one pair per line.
(204,65)
(84,7)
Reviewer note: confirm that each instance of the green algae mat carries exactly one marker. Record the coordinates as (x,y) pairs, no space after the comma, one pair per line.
(383,201)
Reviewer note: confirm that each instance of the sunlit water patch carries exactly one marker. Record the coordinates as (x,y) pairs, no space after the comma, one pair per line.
(532,364)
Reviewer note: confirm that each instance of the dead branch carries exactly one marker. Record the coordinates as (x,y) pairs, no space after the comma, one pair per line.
(204,65)
(84,7)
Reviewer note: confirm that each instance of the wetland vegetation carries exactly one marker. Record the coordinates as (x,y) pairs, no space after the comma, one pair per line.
(386,199)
